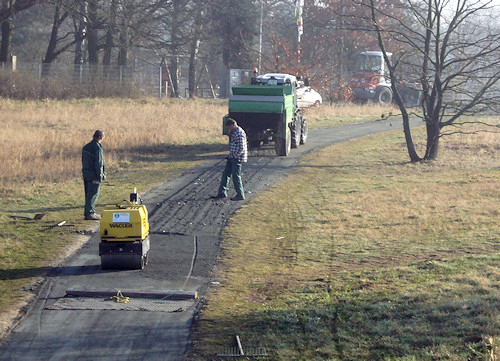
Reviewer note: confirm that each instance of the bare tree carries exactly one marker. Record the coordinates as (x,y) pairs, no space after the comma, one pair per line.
(79,26)
(199,13)
(8,9)
(110,30)
(61,13)
(237,29)
(453,50)
(93,27)
(137,21)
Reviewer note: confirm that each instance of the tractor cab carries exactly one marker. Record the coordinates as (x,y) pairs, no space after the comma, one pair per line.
(370,79)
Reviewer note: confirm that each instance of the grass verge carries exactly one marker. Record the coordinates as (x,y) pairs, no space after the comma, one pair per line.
(360,255)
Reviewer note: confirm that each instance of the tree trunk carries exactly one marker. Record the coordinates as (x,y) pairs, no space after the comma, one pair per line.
(80,31)
(110,29)
(124,37)
(192,68)
(6,37)
(432,147)
(409,140)
(174,69)
(108,46)
(175,41)
(340,85)
(92,36)
(412,153)
(51,49)
(123,49)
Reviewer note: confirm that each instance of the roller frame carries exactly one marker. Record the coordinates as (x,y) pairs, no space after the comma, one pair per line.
(124,254)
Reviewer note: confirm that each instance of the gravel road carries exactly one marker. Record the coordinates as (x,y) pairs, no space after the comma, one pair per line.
(186,227)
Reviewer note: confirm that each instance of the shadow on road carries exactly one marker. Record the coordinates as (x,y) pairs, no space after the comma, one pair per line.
(61,271)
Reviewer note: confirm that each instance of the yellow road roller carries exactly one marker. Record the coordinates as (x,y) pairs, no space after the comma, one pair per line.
(124,235)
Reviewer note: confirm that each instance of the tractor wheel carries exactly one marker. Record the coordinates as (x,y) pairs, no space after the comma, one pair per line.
(384,96)
(296,133)
(283,143)
(304,132)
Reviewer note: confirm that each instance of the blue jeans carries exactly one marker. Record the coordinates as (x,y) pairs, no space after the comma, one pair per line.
(232,169)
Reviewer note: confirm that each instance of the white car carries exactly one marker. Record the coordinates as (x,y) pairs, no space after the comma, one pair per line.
(306,97)
(276,78)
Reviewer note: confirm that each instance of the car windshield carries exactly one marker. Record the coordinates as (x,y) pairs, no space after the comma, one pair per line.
(366,62)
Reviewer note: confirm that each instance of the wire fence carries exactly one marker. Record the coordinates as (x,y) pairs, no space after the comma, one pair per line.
(143,77)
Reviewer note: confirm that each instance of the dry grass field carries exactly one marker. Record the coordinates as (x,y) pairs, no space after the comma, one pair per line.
(42,140)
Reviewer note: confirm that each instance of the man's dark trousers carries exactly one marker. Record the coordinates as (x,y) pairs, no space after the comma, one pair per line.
(232,169)
(91,196)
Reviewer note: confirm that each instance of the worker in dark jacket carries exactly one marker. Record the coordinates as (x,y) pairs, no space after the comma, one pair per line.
(93,173)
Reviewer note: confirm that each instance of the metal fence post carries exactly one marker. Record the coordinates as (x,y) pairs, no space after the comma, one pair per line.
(160,77)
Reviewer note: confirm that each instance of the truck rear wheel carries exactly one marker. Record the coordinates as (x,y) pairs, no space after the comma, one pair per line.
(304,131)
(296,134)
(283,143)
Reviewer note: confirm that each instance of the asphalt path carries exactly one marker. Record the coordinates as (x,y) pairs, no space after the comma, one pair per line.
(186,228)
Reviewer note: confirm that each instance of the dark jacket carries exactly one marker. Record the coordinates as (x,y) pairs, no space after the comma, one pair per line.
(93,162)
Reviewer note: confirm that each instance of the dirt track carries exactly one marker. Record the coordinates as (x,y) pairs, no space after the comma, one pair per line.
(185,233)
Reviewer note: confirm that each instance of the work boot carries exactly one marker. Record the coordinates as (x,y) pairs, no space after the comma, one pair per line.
(218,196)
(238,198)
(93,217)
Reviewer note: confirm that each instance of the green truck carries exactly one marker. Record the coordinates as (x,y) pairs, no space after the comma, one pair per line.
(267,111)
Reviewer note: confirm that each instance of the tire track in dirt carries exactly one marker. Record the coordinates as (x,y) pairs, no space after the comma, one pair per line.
(191,211)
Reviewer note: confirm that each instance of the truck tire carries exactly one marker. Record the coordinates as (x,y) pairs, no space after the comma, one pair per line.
(304,131)
(296,133)
(384,96)
(283,143)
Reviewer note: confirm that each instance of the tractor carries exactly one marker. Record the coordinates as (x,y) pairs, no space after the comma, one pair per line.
(267,110)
